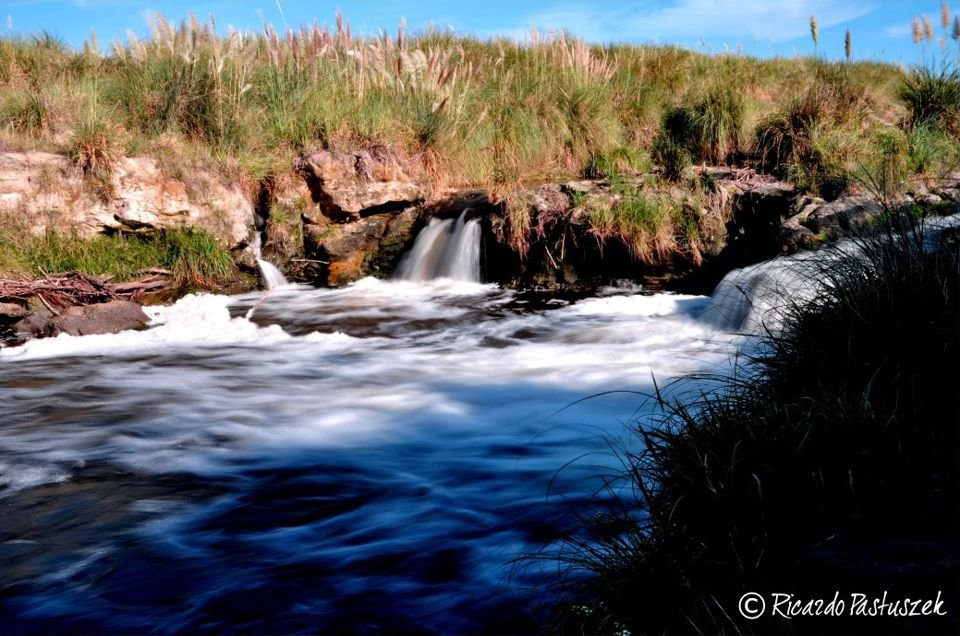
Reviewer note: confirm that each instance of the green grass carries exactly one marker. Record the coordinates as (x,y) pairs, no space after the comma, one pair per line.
(932,95)
(813,137)
(192,256)
(841,432)
(653,226)
(466,112)
(931,150)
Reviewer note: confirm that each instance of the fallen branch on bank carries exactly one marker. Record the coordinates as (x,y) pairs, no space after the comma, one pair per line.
(59,291)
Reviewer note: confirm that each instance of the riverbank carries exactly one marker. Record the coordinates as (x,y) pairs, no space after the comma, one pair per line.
(823,468)
(588,163)
(360,213)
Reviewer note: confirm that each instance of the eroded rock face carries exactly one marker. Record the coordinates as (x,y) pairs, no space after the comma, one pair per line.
(348,185)
(49,193)
(371,246)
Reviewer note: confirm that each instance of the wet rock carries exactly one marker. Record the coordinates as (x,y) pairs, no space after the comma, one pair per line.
(37,324)
(109,317)
(345,252)
(348,185)
(758,211)
(471,202)
(847,214)
(794,237)
(11,313)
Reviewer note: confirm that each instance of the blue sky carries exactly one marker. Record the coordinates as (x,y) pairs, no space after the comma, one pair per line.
(881,28)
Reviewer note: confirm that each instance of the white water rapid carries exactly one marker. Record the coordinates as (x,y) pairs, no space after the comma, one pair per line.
(373,457)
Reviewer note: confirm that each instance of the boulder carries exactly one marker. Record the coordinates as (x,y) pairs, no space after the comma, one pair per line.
(547,199)
(109,317)
(847,214)
(11,313)
(348,185)
(794,237)
(36,325)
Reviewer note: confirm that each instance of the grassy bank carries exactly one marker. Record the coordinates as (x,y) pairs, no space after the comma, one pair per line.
(473,112)
(193,257)
(828,463)
(493,113)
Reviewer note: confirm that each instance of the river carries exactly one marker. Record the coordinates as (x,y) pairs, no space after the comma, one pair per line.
(369,459)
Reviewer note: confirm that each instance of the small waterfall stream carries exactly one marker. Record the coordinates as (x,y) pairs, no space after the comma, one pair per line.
(272,276)
(444,249)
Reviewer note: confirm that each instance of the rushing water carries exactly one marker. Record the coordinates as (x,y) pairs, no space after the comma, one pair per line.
(370,459)
(272,277)
(446,248)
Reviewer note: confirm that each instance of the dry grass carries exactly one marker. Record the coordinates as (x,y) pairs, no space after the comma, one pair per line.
(483,113)
(495,113)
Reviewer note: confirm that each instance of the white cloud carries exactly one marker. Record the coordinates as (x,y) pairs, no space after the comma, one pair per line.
(689,19)
(897,31)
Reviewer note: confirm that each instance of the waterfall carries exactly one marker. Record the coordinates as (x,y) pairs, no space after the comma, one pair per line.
(444,249)
(271,275)
(758,298)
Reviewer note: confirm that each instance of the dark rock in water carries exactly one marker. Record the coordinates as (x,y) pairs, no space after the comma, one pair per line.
(110,317)
(472,203)
(754,227)
(36,325)
(844,215)
(794,237)
(11,313)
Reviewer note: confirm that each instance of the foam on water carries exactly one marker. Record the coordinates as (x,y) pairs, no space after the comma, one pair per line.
(394,438)
(196,320)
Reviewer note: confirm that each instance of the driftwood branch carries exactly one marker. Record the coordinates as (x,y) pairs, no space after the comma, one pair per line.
(59,291)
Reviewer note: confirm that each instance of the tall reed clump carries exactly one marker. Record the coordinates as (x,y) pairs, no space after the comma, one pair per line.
(785,141)
(708,128)
(931,93)
(185,79)
(837,440)
(309,77)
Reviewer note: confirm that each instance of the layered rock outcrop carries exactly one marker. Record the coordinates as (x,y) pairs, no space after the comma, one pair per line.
(47,192)
(364,213)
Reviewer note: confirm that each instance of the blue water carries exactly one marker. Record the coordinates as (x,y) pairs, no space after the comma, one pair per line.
(379,459)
